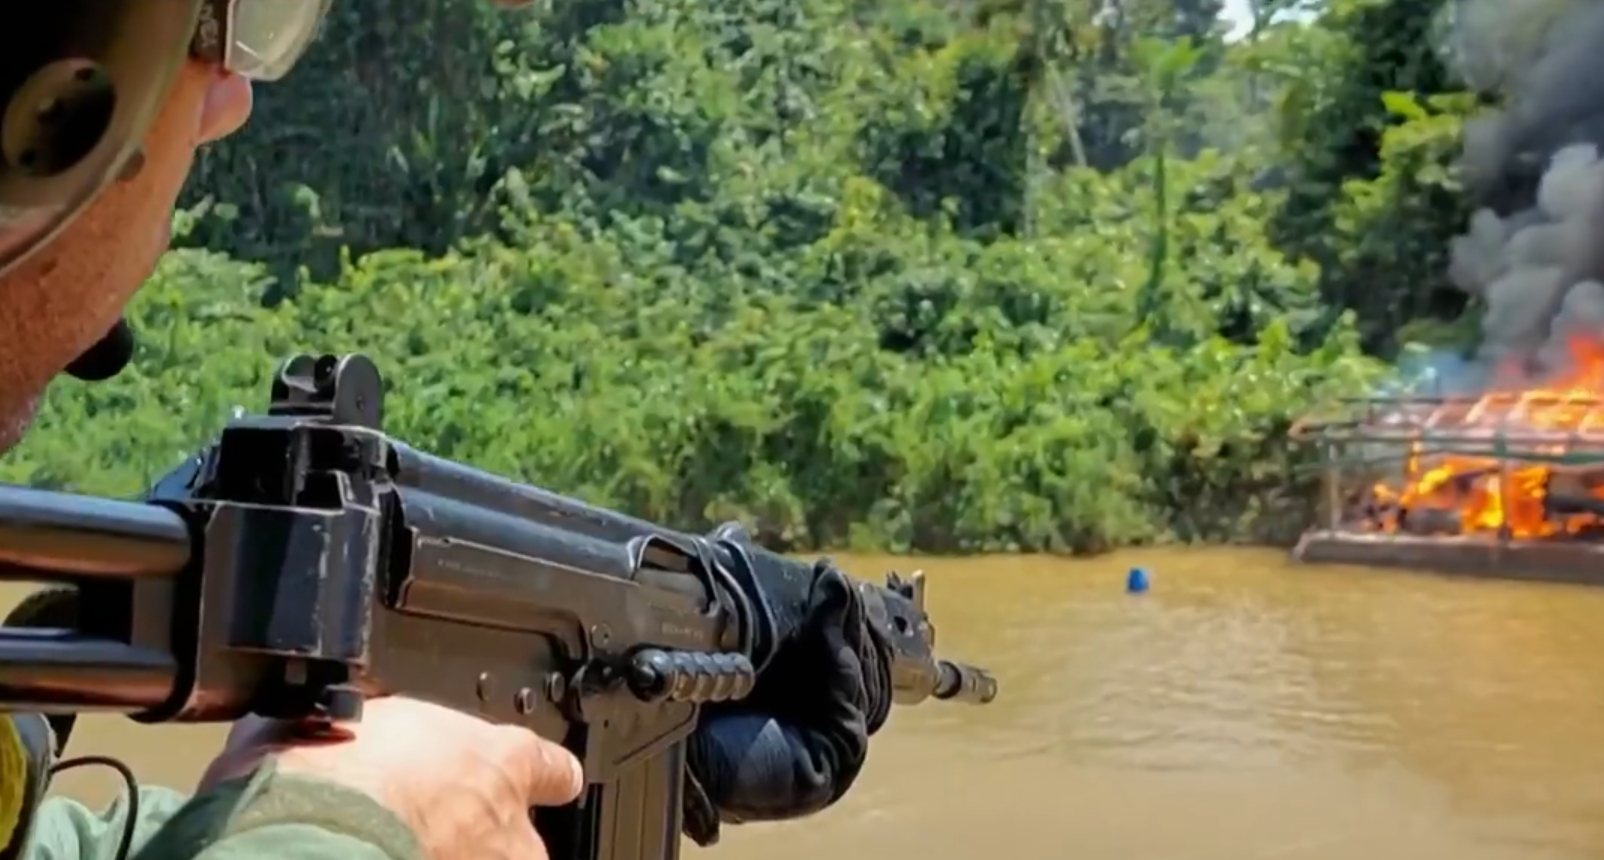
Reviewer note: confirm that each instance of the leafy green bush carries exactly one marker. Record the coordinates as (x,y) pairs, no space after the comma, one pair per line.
(954,395)
(911,275)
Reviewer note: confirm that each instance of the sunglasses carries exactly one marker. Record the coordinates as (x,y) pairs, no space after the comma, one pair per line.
(257,39)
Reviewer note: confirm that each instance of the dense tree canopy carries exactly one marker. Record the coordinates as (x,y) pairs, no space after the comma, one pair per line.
(985,275)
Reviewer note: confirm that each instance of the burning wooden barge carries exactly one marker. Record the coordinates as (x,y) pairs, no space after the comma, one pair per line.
(1506,484)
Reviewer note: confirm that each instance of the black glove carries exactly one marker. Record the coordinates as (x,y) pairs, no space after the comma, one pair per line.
(797,743)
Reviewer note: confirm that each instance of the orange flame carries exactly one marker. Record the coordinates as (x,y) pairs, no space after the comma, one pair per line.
(1510,495)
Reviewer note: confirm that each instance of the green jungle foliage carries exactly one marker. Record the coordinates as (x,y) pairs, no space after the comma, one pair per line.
(995,275)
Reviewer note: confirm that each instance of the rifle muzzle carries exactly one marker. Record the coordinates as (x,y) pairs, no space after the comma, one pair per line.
(960,682)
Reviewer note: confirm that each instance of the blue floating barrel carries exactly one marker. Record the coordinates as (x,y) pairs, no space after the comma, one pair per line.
(1136,581)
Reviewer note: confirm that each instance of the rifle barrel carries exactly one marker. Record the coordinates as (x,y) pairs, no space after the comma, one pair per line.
(51,535)
(60,671)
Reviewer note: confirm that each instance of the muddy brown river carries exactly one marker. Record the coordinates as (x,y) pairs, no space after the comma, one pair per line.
(1243,709)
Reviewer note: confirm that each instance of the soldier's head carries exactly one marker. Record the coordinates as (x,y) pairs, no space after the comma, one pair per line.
(104,103)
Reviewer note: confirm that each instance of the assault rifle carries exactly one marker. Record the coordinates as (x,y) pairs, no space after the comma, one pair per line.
(306,562)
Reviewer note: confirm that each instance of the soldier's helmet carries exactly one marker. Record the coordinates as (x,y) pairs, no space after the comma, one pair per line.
(82,80)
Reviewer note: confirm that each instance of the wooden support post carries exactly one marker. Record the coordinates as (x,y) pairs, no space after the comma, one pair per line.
(1500,546)
(1333,475)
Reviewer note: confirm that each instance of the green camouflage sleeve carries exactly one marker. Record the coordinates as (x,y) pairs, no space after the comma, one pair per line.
(287,818)
(284,817)
(64,829)
(58,828)
(264,815)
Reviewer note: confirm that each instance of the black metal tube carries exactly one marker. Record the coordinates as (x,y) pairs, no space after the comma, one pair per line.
(959,682)
(60,671)
(66,535)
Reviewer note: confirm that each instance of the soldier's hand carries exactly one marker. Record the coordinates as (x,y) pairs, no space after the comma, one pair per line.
(463,785)
(798,742)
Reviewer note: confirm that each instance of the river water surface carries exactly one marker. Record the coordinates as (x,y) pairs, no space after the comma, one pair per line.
(1244,708)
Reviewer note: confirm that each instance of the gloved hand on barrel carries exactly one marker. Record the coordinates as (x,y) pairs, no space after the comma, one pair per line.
(798,742)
